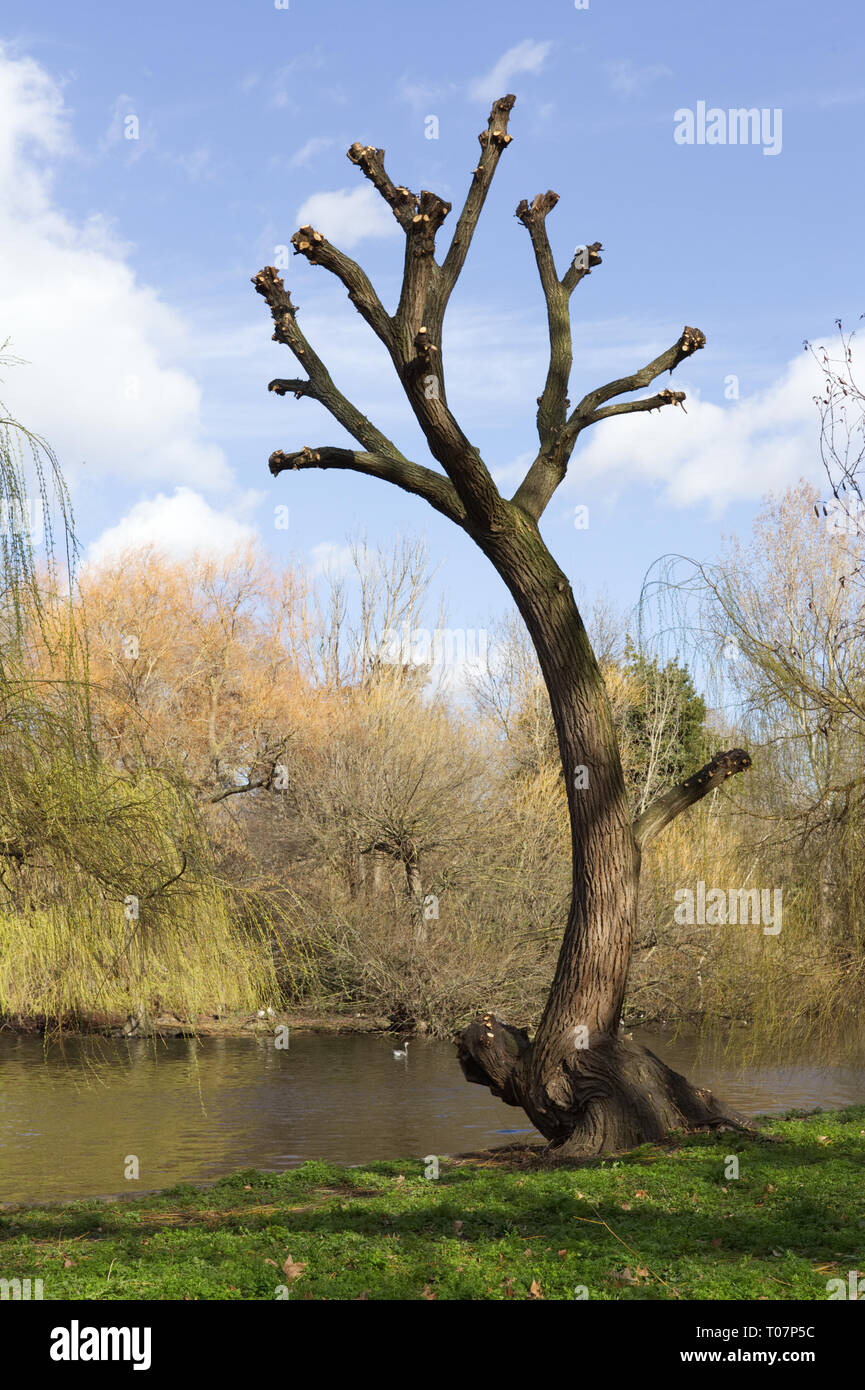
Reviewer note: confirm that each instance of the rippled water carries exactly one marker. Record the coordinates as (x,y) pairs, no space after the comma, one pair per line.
(194,1110)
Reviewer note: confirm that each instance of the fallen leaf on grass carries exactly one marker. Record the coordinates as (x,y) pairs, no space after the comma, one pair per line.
(535,1289)
(292,1270)
(622,1276)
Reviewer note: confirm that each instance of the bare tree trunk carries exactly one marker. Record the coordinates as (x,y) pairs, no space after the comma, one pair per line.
(583,1087)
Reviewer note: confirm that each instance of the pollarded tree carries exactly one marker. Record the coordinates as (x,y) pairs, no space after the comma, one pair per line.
(585,1088)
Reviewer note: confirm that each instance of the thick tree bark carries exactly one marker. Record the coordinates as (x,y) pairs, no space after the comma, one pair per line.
(585,1088)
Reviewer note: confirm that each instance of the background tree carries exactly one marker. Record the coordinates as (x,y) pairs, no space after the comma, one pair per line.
(661,724)
(611,1093)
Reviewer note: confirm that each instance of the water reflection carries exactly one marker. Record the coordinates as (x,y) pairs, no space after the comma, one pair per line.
(194,1110)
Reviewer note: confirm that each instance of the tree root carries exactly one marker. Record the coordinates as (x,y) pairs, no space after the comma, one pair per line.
(606,1098)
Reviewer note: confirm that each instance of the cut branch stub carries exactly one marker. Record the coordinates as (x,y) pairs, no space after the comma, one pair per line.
(666,807)
(296,386)
(306,242)
(424,347)
(269,283)
(498,136)
(585,259)
(432,209)
(668,397)
(401,199)
(692,340)
(488,1052)
(539,207)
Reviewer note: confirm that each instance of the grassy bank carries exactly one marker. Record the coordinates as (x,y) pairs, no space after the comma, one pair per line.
(662,1222)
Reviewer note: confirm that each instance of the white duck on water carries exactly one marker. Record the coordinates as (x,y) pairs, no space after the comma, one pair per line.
(403,1052)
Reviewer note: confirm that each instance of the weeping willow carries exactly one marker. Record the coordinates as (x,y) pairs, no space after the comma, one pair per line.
(109,899)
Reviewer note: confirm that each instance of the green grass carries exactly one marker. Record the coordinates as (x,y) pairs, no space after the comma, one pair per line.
(662,1222)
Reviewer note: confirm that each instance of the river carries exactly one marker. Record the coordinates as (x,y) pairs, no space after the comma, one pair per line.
(73,1116)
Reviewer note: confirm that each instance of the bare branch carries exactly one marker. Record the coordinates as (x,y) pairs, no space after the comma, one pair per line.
(411,477)
(402,201)
(420,272)
(475,491)
(549,467)
(319,387)
(552,406)
(492,141)
(665,808)
(417,323)
(665,397)
(586,258)
(690,342)
(319,251)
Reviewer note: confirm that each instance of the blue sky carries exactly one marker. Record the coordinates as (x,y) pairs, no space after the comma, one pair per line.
(125,264)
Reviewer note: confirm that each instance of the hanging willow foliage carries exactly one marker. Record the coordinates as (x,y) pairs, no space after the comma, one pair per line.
(109,900)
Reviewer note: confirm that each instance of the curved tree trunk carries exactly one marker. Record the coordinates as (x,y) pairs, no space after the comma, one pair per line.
(585,1088)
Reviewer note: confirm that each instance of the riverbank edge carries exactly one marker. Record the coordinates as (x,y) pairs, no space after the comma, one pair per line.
(244,1024)
(668,1220)
(234,1025)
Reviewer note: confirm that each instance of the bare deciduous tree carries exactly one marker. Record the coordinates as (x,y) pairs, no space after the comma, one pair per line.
(610,1093)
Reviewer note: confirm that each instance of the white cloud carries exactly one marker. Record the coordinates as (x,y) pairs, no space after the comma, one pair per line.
(625,79)
(715,454)
(348,215)
(509,476)
(178,526)
(424,96)
(285,81)
(528,56)
(317,145)
(328,558)
(101,385)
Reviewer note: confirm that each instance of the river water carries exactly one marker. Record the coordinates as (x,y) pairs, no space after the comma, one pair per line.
(189,1110)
